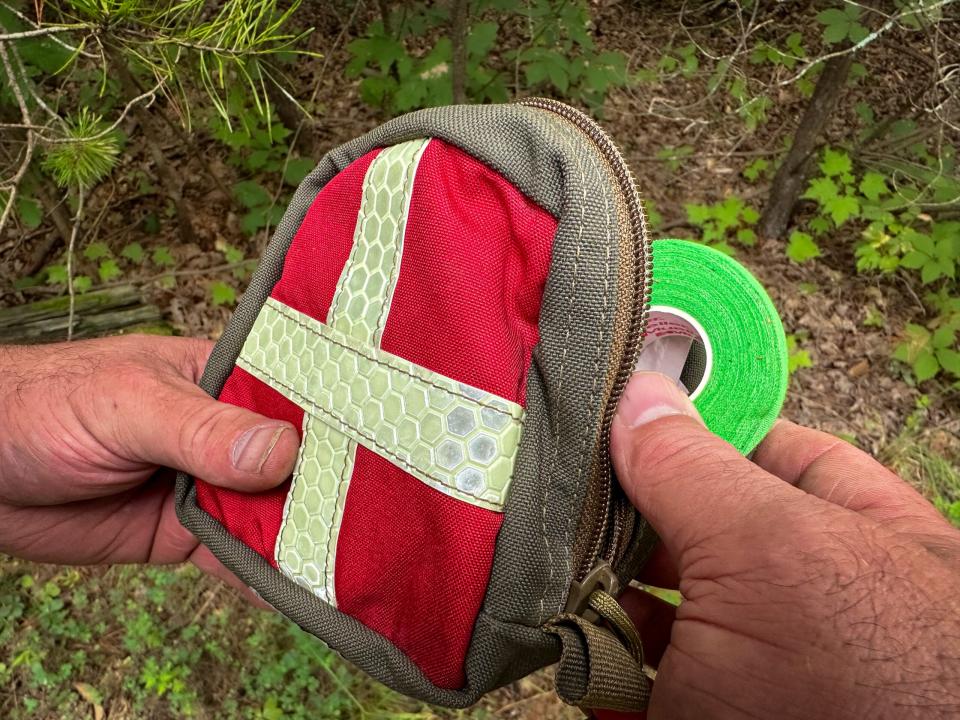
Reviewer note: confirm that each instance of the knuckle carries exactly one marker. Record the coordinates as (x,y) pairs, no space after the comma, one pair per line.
(199,435)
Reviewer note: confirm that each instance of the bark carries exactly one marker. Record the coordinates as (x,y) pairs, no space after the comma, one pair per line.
(789,182)
(171,184)
(104,312)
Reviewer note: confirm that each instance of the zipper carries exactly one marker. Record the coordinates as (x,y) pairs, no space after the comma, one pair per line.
(596,570)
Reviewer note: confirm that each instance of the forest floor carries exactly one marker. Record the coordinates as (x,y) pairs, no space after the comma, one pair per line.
(158,643)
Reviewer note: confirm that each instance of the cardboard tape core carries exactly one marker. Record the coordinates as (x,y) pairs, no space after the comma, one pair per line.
(677,346)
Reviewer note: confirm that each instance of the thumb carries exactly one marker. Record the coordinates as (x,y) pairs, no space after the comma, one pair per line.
(182,427)
(686,481)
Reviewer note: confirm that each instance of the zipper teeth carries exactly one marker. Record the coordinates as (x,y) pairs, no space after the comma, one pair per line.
(643,262)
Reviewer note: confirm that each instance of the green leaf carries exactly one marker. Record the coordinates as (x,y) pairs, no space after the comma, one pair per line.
(835,162)
(727,213)
(297,169)
(873,185)
(151,224)
(754,170)
(161,256)
(914,260)
(925,366)
(842,208)
(109,270)
(698,214)
(56,274)
(917,338)
(222,294)
(822,189)
(930,272)
(949,360)
(746,236)
(133,252)
(29,212)
(96,251)
(251,194)
(802,247)
(482,38)
(82,283)
(943,337)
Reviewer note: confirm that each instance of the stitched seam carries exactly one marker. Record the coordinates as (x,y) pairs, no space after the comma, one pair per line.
(283,310)
(357,238)
(289,500)
(343,426)
(329,560)
(598,355)
(556,450)
(398,241)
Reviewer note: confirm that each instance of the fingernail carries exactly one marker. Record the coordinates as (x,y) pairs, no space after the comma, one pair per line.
(251,450)
(649,396)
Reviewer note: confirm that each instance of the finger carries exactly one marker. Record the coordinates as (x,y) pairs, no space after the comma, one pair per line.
(687,482)
(171,422)
(834,470)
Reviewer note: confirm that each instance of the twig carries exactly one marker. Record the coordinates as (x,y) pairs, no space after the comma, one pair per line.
(70,250)
(14,184)
(40,32)
(891,22)
(54,38)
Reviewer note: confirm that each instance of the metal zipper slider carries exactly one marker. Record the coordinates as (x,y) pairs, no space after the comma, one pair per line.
(601,577)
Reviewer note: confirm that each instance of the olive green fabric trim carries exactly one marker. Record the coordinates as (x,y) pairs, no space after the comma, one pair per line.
(306,548)
(457,439)
(596,671)
(561,173)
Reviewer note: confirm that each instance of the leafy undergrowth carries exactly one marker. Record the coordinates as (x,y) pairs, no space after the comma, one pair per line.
(130,642)
(915,454)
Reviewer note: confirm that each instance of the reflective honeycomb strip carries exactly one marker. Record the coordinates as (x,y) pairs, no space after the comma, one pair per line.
(307,542)
(363,295)
(455,438)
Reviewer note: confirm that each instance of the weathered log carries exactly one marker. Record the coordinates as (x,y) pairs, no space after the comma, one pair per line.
(104,312)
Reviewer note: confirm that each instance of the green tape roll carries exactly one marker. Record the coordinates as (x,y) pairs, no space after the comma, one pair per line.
(744,357)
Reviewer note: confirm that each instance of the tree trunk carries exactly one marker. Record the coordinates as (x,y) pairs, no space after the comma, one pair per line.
(168,178)
(103,312)
(789,181)
(458,38)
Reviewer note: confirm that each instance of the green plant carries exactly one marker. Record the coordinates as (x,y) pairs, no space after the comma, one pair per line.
(721,223)
(797,357)
(406,60)
(842,24)
(896,236)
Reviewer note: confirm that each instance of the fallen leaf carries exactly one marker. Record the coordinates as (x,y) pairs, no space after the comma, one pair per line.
(859,369)
(91,695)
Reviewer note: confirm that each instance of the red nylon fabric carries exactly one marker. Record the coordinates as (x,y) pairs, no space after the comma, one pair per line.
(310,273)
(413,563)
(252,517)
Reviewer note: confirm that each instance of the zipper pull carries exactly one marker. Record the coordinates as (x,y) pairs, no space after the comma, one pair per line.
(601,577)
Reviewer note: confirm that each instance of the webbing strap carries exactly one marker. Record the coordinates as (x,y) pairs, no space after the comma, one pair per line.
(596,671)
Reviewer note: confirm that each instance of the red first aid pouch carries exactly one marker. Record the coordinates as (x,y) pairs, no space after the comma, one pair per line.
(448,314)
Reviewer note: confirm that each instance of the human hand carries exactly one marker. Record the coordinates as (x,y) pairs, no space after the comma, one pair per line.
(816,583)
(85,425)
